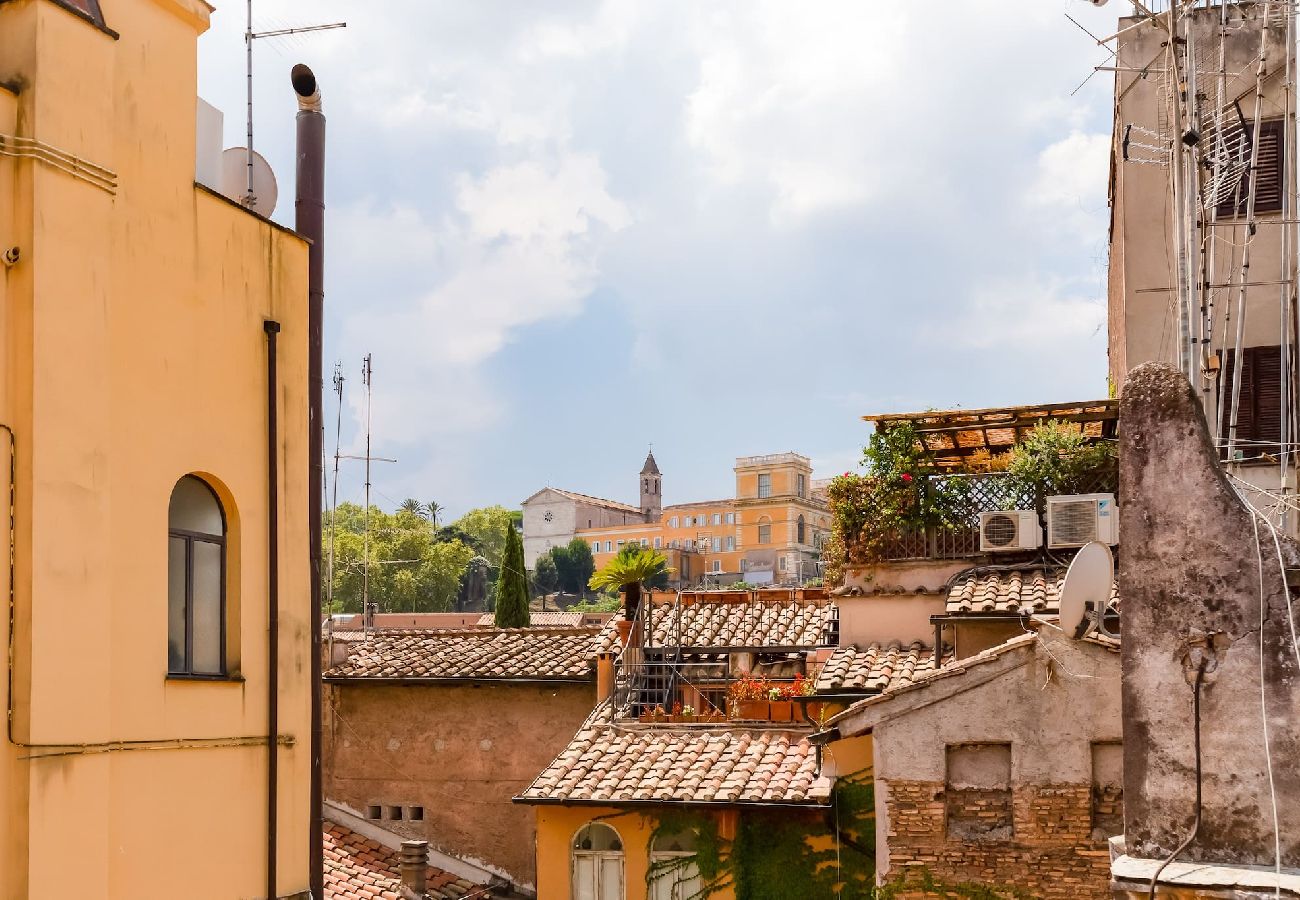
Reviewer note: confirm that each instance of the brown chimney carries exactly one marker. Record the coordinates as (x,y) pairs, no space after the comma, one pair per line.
(604,676)
(415,869)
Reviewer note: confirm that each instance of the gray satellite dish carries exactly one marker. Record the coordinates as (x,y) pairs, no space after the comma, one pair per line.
(1085,592)
(234,181)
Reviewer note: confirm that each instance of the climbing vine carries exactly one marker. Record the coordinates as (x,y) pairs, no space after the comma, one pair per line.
(780,855)
(924,881)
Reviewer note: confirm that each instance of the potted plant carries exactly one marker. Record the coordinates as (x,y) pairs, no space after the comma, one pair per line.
(748,698)
(627,572)
(779,704)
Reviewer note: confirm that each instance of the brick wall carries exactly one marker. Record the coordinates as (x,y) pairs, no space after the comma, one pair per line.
(1050,853)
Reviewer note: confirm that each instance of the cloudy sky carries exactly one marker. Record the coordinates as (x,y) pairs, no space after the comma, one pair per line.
(567,229)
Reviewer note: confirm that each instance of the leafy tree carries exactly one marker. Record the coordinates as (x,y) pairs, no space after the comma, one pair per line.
(629,571)
(452,533)
(603,603)
(488,526)
(409,569)
(545,577)
(512,585)
(658,581)
(575,566)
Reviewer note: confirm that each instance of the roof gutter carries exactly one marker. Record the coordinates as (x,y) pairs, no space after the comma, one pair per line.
(713,804)
(365,679)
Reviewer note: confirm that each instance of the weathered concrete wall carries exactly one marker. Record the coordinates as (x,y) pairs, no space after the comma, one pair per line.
(1051,701)
(1189,574)
(460,751)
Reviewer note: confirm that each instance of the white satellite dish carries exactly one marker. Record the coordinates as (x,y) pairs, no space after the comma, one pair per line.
(1085,592)
(234,181)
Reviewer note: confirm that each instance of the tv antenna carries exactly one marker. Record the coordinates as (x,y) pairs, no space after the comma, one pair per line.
(1085,593)
(250,195)
(334,500)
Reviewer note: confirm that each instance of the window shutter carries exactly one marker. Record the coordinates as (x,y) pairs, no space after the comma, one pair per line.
(1259,416)
(1268,184)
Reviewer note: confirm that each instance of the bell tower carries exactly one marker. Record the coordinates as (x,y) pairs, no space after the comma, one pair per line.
(652,501)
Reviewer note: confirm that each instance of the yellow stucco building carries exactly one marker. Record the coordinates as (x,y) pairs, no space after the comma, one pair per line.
(135,386)
(769,532)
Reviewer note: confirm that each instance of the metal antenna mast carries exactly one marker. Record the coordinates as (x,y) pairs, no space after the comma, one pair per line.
(334,499)
(365,556)
(249,36)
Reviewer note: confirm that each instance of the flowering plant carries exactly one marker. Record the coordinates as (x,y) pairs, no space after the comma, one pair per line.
(747,687)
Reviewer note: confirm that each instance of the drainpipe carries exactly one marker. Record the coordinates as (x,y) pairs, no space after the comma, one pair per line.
(309,221)
(272,329)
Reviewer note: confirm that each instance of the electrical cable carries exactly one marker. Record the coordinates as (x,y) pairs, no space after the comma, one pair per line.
(1196,750)
(1263,709)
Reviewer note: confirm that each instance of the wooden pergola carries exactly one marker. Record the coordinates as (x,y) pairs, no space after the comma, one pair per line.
(952,436)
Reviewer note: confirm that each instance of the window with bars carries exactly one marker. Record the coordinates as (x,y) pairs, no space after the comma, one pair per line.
(1268,183)
(1259,413)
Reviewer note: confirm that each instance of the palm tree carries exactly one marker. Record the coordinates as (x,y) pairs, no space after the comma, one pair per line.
(432,510)
(628,571)
(411,505)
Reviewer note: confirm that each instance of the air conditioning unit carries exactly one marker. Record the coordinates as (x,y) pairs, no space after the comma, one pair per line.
(1009,529)
(1078,519)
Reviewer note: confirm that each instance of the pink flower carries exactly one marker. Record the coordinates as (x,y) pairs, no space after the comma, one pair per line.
(907,477)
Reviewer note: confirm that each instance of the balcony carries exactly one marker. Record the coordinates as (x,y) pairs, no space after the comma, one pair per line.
(772,459)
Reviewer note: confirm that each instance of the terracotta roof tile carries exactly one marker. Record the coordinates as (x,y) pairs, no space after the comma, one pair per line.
(358,868)
(755,623)
(562,654)
(872,668)
(1033,589)
(547,619)
(597,501)
(626,762)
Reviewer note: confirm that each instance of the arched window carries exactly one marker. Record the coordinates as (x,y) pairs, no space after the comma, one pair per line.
(764,530)
(673,871)
(800,528)
(597,863)
(196,580)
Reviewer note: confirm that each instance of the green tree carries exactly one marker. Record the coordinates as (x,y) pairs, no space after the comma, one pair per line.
(488,526)
(512,585)
(574,565)
(545,577)
(433,509)
(413,506)
(628,572)
(410,570)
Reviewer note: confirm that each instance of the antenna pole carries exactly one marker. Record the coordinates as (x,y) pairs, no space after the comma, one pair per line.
(365,554)
(248,56)
(334,499)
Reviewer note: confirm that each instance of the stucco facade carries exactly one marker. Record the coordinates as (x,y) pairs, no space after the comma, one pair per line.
(457,751)
(133,354)
(1002,770)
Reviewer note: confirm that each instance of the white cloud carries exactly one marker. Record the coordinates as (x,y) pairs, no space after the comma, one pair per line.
(1067,191)
(1032,315)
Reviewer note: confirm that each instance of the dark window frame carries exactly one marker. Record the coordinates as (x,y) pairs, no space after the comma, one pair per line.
(1259,424)
(190,537)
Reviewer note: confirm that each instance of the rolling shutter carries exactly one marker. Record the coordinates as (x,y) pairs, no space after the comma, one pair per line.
(1268,185)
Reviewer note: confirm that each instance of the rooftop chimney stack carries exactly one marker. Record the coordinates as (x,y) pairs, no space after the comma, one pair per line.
(415,869)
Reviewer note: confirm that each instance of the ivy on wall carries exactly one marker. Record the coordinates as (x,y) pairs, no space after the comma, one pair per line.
(923,881)
(781,855)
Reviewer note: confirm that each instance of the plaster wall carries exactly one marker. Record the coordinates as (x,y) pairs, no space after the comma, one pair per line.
(888,617)
(460,751)
(969,638)
(1190,576)
(133,353)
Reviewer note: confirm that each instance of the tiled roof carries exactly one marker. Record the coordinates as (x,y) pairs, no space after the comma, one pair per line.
(548,619)
(757,623)
(626,762)
(357,868)
(494,654)
(597,501)
(1033,589)
(874,667)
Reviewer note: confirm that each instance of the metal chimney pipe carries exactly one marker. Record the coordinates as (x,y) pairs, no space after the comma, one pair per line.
(415,869)
(309,221)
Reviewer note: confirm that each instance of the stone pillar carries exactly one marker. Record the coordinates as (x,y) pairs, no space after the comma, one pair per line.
(1190,586)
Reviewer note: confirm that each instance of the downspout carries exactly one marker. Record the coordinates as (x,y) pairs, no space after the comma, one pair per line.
(309,221)
(272,329)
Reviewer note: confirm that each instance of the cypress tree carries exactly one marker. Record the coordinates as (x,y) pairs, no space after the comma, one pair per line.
(512,584)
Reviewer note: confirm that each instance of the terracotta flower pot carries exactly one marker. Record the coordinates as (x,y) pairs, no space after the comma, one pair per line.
(752,709)
(781,710)
(624,629)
